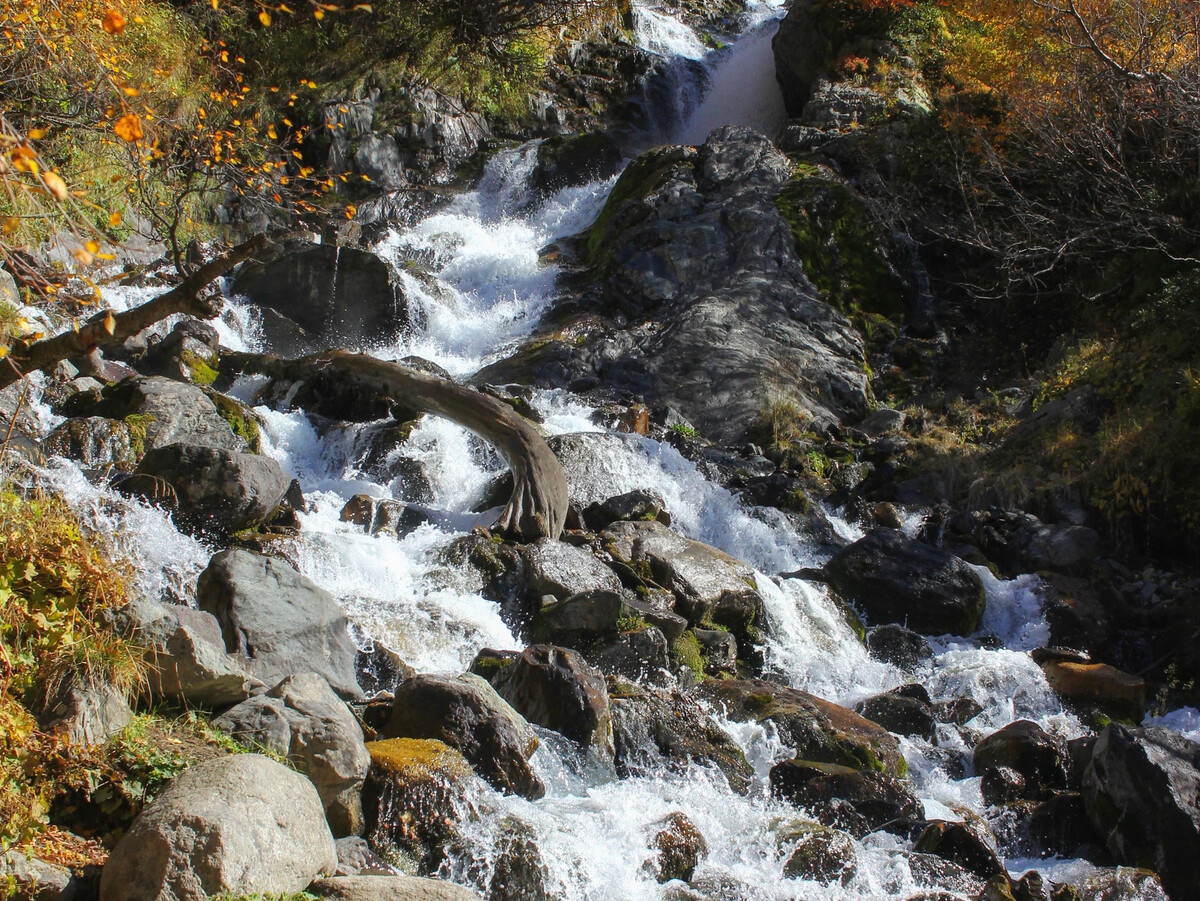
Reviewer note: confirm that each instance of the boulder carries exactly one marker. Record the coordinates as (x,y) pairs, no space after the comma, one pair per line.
(634,506)
(823,855)
(188,662)
(1119,694)
(556,688)
(466,713)
(94,441)
(567,160)
(680,846)
(277,620)
(390,888)
(819,730)
(906,710)
(891,578)
(1142,792)
(560,570)
(965,844)
(894,644)
(240,824)
(30,877)
(587,613)
(214,491)
(87,714)
(656,726)
(519,872)
(882,422)
(1027,749)
(858,802)
(1062,548)
(159,411)
(336,296)
(639,653)
(303,719)
(355,858)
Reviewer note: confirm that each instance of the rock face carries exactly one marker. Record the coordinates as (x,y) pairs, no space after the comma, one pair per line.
(237,824)
(215,491)
(1142,792)
(333,296)
(557,569)
(893,579)
(696,262)
(390,888)
(278,620)
(556,688)
(304,720)
(819,730)
(87,714)
(467,714)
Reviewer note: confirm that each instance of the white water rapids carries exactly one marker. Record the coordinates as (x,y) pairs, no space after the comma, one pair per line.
(591,828)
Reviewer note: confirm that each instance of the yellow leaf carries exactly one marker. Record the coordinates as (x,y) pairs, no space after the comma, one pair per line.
(318,14)
(114,220)
(110,323)
(131,92)
(11,224)
(129,128)
(351,209)
(272,133)
(82,256)
(265,18)
(114,22)
(216,3)
(36,134)
(3,352)
(92,246)
(55,185)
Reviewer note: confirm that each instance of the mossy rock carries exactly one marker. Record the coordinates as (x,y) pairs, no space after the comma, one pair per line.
(241,419)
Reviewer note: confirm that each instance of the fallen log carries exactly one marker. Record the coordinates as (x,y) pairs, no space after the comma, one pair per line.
(538,505)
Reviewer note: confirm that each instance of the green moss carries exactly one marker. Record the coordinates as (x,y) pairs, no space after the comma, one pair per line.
(204,370)
(421,757)
(138,424)
(760,704)
(686,650)
(241,420)
(632,623)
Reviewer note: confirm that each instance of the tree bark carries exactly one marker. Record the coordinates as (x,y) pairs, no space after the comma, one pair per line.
(538,506)
(107,326)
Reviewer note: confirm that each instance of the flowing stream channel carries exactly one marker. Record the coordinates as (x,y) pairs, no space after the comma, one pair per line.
(489,291)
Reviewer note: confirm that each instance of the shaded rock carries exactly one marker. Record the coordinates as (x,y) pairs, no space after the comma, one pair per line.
(961,843)
(1142,792)
(930,870)
(1059,825)
(906,710)
(1118,693)
(651,727)
(303,719)
(589,613)
(94,441)
(236,824)
(30,877)
(337,296)
(640,653)
(856,801)
(1026,748)
(719,649)
(894,644)
(390,888)
(556,568)
(680,847)
(556,688)
(893,579)
(159,411)
(1002,784)
(568,160)
(380,669)
(638,505)
(186,653)
(489,661)
(466,713)
(819,730)
(213,491)
(1062,548)
(377,515)
(823,855)
(657,612)
(278,620)
(519,873)
(1078,408)
(882,422)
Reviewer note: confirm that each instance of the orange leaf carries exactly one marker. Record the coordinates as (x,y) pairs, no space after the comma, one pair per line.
(265,18)
(110,323)
(55,185)
(114,220)
(351,209)
(129,128)
(36,134)
(114,22)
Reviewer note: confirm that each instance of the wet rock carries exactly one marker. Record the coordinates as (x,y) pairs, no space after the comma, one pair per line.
(680,847)
(303,719)
(894,644)
(657,612)
(160,411)
(719,649)
(894,579)
(466,713)
(188,662)
(94,441)
(854,800)
(906,710)
(653,726)
(1002,784)
(1142,792)
(390,888)
(489,661)
(277,620)
(377,515)
(1117,693)
(380,669)
(819,730)
(1059,826)
(556,688)
(520,873)
(337,296)
(1027,749)
(238,824)
(825,856)
(962,843)
(587,613)
(639,505)
(87,714)
(556,568)
(640,653)
(568,160)
(709,585)
(931,870)
(213,491)
(1120,884)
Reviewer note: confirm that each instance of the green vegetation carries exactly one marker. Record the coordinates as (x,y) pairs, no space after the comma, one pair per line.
(687,651)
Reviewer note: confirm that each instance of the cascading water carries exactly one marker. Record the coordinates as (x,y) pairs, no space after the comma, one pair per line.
(481,289)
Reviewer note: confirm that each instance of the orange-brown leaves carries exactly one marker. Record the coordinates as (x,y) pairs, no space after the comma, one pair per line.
(129,128)
(113,22)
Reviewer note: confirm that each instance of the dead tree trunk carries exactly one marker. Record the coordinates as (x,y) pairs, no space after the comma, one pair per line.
(538,506)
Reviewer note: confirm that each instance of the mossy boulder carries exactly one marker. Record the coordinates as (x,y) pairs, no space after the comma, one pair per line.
(857,801)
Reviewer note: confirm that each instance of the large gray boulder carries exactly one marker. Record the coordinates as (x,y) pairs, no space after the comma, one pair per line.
(239,825)
(160,411)
(94,441)
(467,714)
(186,654)
(559,569)
(302,719)
(556,688)
(891,578)
(214,491)
(277,620)
(390,888)
(1142,794)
